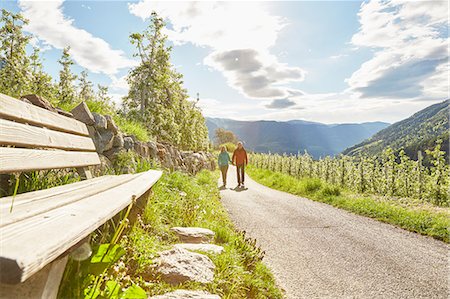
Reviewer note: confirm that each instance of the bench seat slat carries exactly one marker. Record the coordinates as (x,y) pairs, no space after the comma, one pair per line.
(20,111)
(19,159)
(31,196)
(13,133)
(24,210)
(50,234)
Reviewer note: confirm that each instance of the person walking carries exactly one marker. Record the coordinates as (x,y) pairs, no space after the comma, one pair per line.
(240,160)
(223,161)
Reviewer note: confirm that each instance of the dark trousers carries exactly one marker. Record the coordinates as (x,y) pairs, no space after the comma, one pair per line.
(240,173)
(224,170)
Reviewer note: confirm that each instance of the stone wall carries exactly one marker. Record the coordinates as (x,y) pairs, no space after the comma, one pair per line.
(110,141)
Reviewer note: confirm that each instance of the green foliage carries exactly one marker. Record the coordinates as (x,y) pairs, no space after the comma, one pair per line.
(122,264)
(86,88)
(41,82)
(156,95)
(131,127)
(224,136)
(231,147)
(390,175)
(416,133)
(66,90)
(418,218)
(15,74)
(182,200)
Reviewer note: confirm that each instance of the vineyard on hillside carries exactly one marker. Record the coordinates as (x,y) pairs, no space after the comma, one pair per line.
(389,174)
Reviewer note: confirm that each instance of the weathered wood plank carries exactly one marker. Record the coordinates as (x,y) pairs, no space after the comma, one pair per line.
(19,159)
(23,210)
(43,285)
(20,111)
(64,227)
(28,197)
(13,133)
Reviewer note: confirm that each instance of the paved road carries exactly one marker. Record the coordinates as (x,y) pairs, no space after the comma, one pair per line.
(317,251)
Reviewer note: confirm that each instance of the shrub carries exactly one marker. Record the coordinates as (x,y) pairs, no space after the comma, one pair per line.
(311,185)
(229,145)
(331,191)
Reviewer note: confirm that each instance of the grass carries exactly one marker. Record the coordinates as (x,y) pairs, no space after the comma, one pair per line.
(178,200)
(421,219)
(130,127)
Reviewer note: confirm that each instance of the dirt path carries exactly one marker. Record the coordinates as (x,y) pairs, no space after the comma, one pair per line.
(317,251)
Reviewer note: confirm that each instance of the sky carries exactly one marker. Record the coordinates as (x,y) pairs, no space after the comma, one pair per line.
(323,61)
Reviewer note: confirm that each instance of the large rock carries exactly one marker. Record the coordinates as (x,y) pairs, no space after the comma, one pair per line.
(193,234)
(111,125)
(83,114)
(40,102)
(141,149)
(104,167)
(100,121)
(128,142)
(118,140)
(63,112)
(153,150)
(185,294)
(179,265)
(112,153)
(210,248)
(103,139)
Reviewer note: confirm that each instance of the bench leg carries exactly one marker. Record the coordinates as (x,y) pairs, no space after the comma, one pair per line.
(43,284)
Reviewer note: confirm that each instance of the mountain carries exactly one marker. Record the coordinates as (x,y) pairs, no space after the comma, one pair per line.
(418,132)
(296,136)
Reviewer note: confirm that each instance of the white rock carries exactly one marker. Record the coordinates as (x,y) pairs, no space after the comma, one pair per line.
(178,265)
(185,294)
(193,234)
(212,248)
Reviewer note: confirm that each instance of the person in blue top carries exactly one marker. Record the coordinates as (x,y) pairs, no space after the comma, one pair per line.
(224,160)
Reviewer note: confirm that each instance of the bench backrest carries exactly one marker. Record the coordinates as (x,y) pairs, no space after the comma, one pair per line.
(33,138)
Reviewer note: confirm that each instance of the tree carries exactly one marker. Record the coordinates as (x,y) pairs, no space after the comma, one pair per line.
(85,87)
(223,136)
(41,82)
(156,96)
(102,94)
(66,90)
(14,74)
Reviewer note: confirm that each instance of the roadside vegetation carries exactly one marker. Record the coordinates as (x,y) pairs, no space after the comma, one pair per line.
(386,175)
(403,193)
(127,270)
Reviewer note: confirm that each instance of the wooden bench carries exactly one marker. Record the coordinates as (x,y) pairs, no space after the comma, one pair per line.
(44,225)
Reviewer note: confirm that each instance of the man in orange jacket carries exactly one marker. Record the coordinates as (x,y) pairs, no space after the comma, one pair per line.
(240,160)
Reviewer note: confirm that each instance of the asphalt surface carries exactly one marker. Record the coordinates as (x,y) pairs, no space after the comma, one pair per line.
(317,251)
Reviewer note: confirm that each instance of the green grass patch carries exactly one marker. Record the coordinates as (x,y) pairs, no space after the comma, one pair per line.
(431,222)
(131,127)
(178,200)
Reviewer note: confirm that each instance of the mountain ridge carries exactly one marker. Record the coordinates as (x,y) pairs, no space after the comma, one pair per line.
(295,136)
(415,133)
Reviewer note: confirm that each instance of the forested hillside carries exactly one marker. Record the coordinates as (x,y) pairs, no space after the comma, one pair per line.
(291,137)
(416,133)
(156,106)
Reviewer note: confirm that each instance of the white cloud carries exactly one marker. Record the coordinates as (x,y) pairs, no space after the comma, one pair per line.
(119,83)
(343,108)
(48,24)
(338,56)
(411,50)
(239,35)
